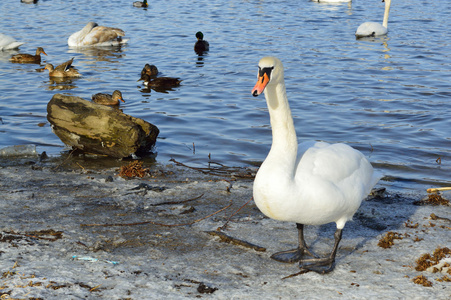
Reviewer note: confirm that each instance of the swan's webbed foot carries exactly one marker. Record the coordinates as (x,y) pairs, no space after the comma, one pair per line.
(292,256)
(318,265)
(322,265)
(295,255)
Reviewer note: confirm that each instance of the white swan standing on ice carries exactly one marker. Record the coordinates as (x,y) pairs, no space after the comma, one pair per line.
(94,35)
(8,43)
(311,184)
(373,28)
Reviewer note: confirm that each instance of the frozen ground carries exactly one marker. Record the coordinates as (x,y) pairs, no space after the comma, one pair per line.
(47,252)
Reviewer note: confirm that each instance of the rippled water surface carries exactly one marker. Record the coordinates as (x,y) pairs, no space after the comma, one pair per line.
(387,97)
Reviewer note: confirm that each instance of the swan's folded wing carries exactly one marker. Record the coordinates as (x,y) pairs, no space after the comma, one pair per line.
(102,34)
(339,165)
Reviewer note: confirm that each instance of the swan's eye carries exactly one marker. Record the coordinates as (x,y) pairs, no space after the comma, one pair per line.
(266,70)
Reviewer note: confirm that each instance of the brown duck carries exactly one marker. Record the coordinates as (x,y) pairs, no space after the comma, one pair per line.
(28,58)
(107,99)
(63,70)
(150,70)
(163,82)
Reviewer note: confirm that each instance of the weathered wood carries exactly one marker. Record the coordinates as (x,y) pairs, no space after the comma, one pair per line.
(99,129)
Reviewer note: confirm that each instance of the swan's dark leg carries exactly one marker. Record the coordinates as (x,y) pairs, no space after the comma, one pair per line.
(295,255)
(322,265)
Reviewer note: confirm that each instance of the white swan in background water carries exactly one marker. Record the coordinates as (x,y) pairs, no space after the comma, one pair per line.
(373,28)
(332,1)
(311,184)
(8,43)
(94,35)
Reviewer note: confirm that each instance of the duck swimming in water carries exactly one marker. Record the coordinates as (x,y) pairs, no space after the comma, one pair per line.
(160,82)
(201,45)
(140,3)
(28,58)
(312,183)
(64,70)
(107,99)
(150,70)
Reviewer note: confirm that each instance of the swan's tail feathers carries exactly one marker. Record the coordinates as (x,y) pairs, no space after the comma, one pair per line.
(374,180)
(13,46)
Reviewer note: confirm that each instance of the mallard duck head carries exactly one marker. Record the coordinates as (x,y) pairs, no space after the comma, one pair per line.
(199,36)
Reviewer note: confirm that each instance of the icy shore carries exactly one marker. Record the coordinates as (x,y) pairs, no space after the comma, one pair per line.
(90,234)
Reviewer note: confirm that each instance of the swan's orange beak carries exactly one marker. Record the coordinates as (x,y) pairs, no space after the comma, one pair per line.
(259,87)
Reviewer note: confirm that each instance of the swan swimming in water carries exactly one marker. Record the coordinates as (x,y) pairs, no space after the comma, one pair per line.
(94,35)
(312,183)
(368,29)
(331,1)
(8,43)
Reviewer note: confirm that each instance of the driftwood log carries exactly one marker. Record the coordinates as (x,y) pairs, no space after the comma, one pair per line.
(99,129)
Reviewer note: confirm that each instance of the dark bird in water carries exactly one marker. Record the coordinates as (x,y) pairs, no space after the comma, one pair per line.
(162,82)
(150,70)
(140,3)
(201,45)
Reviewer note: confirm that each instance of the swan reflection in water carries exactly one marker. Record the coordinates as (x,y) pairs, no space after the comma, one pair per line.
(108,54)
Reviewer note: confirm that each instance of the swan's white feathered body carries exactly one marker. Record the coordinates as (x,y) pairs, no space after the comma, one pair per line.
(326,183)
(8,43)
(373,28)
(311,183)
(95,35)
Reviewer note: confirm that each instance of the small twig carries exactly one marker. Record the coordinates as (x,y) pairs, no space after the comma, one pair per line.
(35,235)
(229,187)
(221,171)
(223,227)
(176,202)
(80,243)
(231,240)
(64,161)
(186,166)
(302,271)
(157,224)
(435,217)
(84,170)
(40,237)
(94,288)
(434,190)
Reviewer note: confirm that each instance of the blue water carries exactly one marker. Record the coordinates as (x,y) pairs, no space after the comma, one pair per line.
(385,96)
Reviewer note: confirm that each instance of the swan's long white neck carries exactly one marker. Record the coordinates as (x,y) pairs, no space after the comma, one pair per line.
(387,11)
(284,143)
